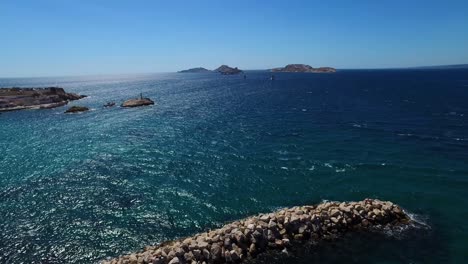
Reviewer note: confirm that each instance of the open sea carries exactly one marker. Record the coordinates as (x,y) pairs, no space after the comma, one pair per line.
(77,188)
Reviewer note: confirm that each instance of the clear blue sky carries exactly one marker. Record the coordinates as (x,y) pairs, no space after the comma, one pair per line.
(61,37)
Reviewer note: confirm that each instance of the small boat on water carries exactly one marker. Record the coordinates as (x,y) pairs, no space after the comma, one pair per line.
(272,77)
(109,104)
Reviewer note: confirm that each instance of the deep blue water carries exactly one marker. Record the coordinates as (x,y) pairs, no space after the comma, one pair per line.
(78,188)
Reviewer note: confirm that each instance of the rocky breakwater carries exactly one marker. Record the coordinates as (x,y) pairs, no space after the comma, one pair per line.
(137,102)
(278,231)
(34,98)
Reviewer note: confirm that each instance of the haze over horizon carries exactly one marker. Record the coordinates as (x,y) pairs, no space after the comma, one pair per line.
(58,38)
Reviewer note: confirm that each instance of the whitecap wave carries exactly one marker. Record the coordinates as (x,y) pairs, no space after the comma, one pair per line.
(417,222)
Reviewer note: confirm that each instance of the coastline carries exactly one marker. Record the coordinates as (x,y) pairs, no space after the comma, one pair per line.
(34,107)
(15,98)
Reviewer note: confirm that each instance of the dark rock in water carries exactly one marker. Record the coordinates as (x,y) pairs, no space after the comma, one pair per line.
(226,70)
(195,70)
(109,104)
(303,68)
(35,98)
(137,102)
(77,109)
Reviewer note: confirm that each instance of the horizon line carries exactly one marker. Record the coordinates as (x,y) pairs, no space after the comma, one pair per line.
(427,67)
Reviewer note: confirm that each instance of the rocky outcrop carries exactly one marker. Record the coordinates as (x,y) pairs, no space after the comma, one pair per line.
(278,231)
(303,68)
(34,98)
(226,70)
(137,102)
(195,70)
(77,109)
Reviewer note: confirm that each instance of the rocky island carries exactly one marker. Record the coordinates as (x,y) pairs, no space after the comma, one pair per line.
(76,109)
(226,70)
(137,102)
(279,231)
(195,70)
(34,98)
(303,68)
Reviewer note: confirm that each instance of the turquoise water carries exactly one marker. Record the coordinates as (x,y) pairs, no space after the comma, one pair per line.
(78,188)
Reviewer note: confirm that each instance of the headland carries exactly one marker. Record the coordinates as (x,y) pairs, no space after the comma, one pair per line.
(35,98)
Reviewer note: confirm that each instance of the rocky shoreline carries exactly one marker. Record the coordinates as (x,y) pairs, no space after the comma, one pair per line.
(16,98)
(12,99)
(278,231)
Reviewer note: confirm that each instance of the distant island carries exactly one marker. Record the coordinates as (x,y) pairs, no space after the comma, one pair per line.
(34,98)
(226,70)
(303,68)
(195,70)
(223,69)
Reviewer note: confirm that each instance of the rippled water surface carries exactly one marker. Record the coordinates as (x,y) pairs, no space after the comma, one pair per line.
(78,188)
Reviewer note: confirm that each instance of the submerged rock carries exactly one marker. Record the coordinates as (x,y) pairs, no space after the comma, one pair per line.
(137,102)
(245,239)
(76,109)
(109,104)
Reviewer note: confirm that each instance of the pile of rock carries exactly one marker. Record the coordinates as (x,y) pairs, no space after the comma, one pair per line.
(246,238)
